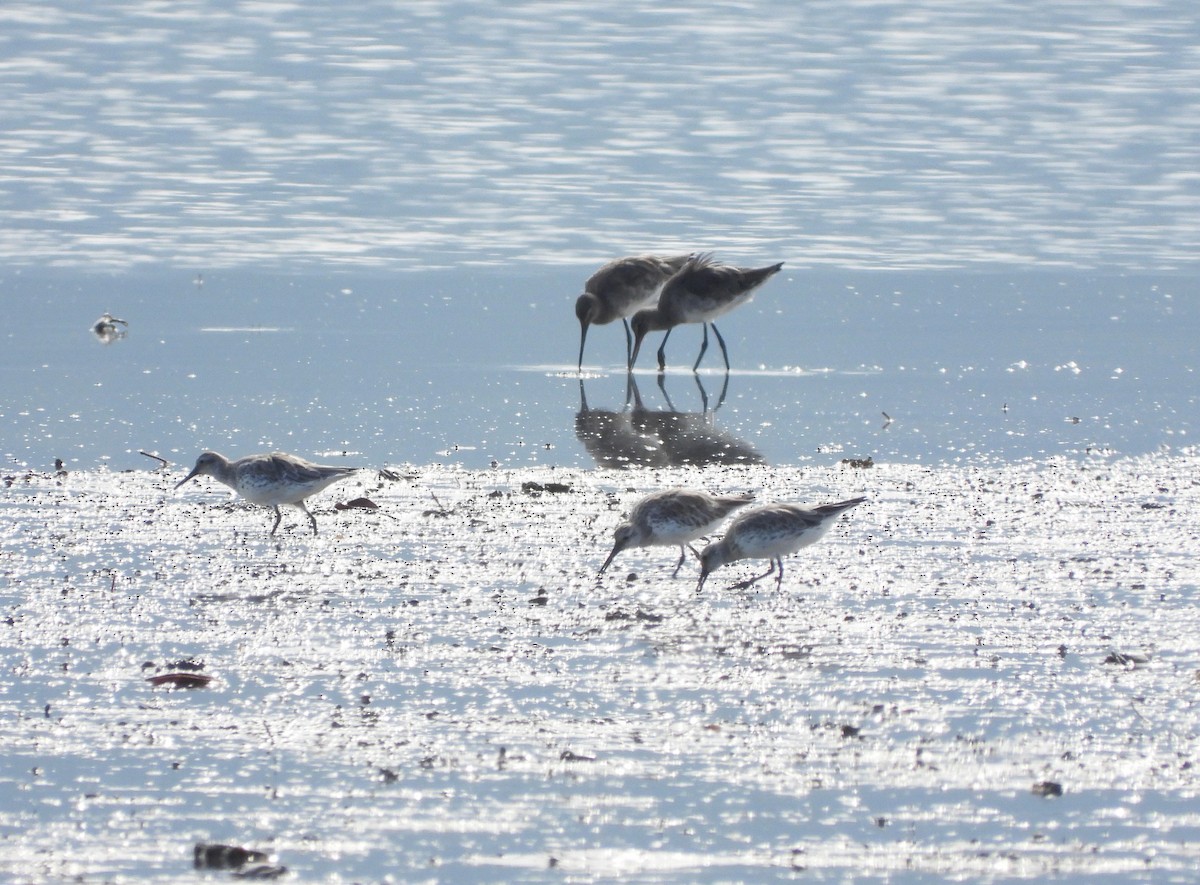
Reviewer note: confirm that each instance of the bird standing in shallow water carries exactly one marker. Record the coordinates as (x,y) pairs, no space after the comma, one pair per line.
(673,517)
(770,532)
(106,331)
(702,291)
(270,479)
(621,287)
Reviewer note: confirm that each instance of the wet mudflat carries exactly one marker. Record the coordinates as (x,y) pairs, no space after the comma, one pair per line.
(358,235)
(985,671)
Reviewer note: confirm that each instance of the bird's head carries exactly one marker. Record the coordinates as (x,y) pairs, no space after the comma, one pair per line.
(623,537)
(712,558)
(206,465)
(643,323)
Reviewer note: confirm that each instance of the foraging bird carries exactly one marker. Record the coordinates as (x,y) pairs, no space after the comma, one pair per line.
(770,532)
(270,479)
(621,287)
(673,517)
(700,292)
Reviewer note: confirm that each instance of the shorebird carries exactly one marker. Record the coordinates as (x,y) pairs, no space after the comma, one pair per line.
(621,287)
(105,329)
(673,517)
(770,532)
(270,479)
(700,292)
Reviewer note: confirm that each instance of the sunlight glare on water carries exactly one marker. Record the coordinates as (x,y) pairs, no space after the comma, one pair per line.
(406,135)
(356,232)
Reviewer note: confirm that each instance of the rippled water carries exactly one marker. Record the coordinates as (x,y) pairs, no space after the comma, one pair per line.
(358,230)
(362,230)
(436,367)
(426,134)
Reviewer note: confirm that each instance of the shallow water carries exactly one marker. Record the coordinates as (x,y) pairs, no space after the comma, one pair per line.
(476,369)
(363,232)
(358,235)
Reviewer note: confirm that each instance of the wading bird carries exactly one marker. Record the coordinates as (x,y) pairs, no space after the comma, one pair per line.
(700,292)
(621,287)
(673,517)
(270,479)
(770,532)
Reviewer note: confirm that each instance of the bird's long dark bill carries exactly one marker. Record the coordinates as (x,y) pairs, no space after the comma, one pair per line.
(186,478)
(582,338)
(703,578)
(637,347)
(616,549)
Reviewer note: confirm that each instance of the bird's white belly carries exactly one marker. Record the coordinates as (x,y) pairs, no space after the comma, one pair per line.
(678,534)
(270,494)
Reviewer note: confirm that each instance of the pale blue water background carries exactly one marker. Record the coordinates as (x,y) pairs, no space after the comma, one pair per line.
(990,215)
(411,368)
(979,205)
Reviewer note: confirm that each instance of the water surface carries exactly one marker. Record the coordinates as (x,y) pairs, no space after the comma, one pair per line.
(357,233)
(477,368)
(441,134)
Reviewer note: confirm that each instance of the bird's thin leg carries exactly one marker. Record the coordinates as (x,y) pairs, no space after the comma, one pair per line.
(703,347)
(679,565)
(742,585)
(278,517)
(311,518)
(628,342)
(662,352)
(779,580)
(724,352)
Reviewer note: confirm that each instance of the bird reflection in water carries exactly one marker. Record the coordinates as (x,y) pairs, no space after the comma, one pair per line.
(611,438)
(637,436)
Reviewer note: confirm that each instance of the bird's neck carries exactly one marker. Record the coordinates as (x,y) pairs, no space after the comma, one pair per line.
(656,319)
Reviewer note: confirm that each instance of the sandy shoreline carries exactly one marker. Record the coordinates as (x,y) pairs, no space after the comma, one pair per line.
(965,635)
